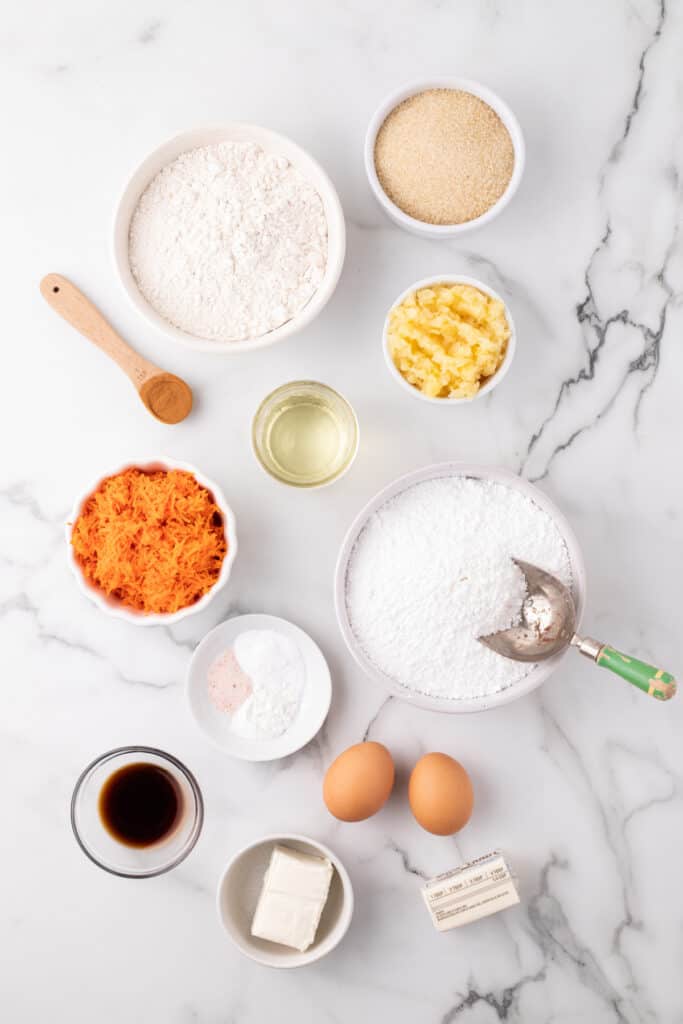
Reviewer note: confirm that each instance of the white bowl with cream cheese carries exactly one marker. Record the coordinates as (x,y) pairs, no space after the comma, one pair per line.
(238,895)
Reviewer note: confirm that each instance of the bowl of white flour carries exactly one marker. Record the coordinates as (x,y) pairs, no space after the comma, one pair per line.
(426,568)
(229,238)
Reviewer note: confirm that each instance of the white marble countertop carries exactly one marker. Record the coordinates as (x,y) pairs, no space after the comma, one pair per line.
(581,782)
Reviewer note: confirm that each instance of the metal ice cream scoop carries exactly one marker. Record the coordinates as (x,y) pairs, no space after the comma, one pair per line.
(548,625)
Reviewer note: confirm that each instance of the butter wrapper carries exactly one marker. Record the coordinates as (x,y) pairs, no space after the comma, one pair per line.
(474,890)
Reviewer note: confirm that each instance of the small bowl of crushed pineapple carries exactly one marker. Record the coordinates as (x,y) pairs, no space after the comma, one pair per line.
(449,339)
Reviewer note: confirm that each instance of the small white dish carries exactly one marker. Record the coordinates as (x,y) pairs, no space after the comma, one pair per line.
(315,700)
(492,382)
(238,893)
(273,143)
(539,672)
(116,609)
(506,115)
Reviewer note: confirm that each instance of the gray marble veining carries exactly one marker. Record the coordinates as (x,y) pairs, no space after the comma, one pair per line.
(580,783)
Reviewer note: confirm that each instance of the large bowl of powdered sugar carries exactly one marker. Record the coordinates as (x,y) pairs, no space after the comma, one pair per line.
(426,568)
(229,238)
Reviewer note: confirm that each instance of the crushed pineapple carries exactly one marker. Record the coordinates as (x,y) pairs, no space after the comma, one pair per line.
(448,339)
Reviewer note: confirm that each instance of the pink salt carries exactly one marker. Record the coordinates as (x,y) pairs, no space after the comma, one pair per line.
(229,686)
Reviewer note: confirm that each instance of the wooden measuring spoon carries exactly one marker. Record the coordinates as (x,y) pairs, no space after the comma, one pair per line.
(166,396)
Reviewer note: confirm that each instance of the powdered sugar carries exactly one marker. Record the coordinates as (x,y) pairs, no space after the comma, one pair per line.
(228,241)
(432,571)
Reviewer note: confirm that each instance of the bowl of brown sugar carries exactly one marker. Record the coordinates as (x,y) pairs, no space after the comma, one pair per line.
(444,156)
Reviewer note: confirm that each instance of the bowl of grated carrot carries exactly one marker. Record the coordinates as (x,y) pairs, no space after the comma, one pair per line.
(152,541)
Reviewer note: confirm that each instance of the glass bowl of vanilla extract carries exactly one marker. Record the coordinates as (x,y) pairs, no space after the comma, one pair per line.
(136,811)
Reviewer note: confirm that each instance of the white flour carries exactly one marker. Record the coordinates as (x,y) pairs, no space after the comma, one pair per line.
(432,571)
(228,241)
(277,672)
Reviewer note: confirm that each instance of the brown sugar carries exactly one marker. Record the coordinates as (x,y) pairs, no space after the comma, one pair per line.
(444,156)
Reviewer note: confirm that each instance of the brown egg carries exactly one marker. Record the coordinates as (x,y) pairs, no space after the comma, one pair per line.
(440,794)
(359,782)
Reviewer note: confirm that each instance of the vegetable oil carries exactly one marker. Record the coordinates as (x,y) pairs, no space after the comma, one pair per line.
(305,434)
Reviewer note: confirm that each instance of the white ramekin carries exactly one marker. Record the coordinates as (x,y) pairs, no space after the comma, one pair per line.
(419,227)
(118,610)
(539,672)
(238,891)
(492,382)
(272,143)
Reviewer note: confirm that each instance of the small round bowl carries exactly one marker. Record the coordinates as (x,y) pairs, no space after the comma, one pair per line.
(491,382)
(315,700)
(238,893)
(120,611)
(313,390)
(272,143)
(540,671)
(115,857)
(501,108)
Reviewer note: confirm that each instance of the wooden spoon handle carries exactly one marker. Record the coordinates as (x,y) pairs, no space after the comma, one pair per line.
(72,304)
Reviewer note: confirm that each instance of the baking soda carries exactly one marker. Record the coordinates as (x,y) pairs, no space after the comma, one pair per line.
(432,571)
(259,681)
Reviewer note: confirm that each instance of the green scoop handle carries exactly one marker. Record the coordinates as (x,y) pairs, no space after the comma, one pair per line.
(654,681)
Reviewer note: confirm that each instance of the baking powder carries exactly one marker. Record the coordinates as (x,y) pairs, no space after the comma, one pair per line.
(432,571)
(260,680)
(228,242)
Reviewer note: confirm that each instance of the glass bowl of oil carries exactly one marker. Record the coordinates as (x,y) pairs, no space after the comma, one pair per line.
(305,434)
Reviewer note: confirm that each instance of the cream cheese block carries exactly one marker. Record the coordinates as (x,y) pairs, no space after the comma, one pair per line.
(293,896)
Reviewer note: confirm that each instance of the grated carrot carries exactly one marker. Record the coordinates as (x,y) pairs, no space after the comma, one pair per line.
(151,540)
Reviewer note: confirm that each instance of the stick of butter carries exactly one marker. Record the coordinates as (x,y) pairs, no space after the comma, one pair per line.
(476,889)
(293,897)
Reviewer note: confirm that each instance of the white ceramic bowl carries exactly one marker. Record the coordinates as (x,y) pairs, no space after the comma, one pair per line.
(118,610)
(419,227)
(238,892)
(492,382)
(273,143)
(539,672)
(315,701)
